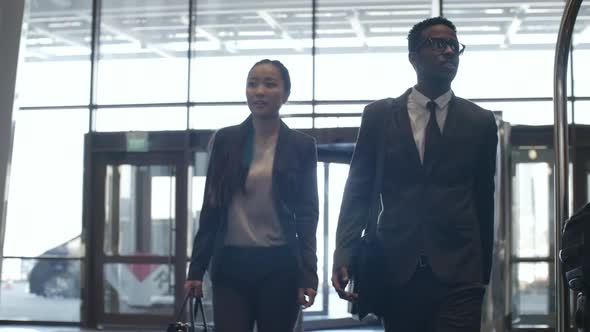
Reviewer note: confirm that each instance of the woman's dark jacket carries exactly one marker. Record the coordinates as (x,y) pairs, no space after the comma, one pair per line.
(294,194)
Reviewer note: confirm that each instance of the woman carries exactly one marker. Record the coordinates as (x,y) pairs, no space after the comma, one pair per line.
(259,216)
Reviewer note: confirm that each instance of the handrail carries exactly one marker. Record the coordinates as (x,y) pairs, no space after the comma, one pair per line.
(560,142)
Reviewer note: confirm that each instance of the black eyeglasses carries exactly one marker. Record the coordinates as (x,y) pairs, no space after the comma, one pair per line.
(441,44)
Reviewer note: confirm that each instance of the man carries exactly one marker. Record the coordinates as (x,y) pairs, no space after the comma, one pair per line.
(437,193)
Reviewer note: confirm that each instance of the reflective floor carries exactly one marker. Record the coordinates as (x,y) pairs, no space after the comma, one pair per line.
(17,328)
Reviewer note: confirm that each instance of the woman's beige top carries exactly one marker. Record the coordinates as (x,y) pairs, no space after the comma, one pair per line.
(252,219)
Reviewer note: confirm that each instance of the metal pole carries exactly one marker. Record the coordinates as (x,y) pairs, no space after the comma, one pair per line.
(560,144)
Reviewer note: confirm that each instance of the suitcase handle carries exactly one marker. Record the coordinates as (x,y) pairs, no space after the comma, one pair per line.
(194,304)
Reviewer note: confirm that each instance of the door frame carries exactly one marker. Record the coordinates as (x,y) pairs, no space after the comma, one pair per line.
(97,259)
(101,149)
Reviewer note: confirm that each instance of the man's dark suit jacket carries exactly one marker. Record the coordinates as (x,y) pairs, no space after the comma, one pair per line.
(443,209)
(294,194)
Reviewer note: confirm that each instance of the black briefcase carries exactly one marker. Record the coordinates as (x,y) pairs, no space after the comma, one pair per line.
(195,306)
(368,274)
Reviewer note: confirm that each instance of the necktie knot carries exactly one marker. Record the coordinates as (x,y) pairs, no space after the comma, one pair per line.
(432,122)
(431,106)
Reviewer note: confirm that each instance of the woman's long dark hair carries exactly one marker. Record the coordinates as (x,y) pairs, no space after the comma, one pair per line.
(231,160)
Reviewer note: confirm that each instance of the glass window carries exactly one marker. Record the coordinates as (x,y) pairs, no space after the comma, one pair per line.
(510,47)
(139,288)
(532,234)
(338,308)
(338,115)
(139,210)
(294,116)
(223,79)
(218,116)
(41,289)
(533,293)
(45,208)
(55,69)
(532,201)
(45,192)
(362,50)
(337,122)
(140,118)
(230,36)
(143,52)
(299,123)
(582,112)
(321,242)
(532,113)
(581,54)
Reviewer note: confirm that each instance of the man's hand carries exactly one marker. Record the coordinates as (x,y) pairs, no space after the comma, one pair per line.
(306,296)
(339,281)
(194,285)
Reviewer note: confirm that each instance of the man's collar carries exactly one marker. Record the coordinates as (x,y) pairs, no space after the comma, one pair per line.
(442,100)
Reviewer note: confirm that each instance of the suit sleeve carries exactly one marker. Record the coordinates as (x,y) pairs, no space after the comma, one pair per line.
(484,186)
(307,213)
(356,201)
(209,222)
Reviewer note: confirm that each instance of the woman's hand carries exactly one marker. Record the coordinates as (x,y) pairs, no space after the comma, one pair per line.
(306,297)
(195,285)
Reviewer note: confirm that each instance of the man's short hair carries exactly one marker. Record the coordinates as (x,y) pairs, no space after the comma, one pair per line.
(415,34)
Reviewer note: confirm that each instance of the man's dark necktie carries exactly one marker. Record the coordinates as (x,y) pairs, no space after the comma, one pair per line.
(432,136)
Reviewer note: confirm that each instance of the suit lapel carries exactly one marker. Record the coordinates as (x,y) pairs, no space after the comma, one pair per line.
(401,131)
(282,140)
(402,120)
(280,161)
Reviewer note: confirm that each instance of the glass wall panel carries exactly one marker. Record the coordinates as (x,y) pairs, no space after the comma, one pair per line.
(338,308)
(141,118)
(223,79)
(139,289)
(581,54)
(532,293)
(321,241)
(139,210)
(218,116)
(532,234)
(329,115)
(510,47)
(44,217)
(215,117)
(55,70)
(532,113)
(337,122)
(45,192)
(40,289)
(299,123)
(582,111)
(356,108)
(294,116)
(143,52)
(231,35)
(362,50)
(532,204)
